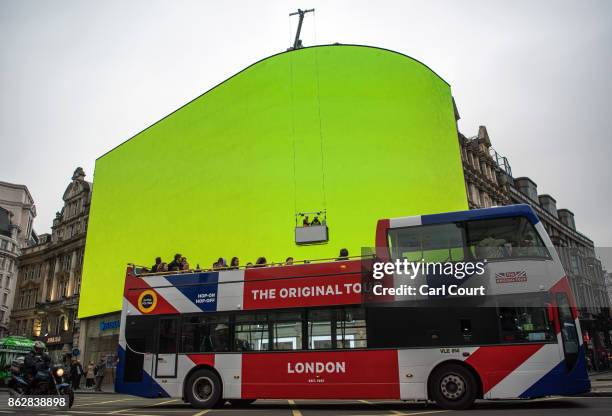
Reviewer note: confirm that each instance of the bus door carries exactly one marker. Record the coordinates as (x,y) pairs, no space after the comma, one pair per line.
(167,347)
(569,332)
(136,361)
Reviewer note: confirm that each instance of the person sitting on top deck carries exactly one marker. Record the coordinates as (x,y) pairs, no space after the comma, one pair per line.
(154,268)
(289,261)
(261,262)
(175,264)
(184,264)
(220,264)
(234,263)
(315,221)
(306,223)
(344,255)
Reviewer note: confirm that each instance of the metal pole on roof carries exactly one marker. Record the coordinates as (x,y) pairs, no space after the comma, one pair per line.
(297,43)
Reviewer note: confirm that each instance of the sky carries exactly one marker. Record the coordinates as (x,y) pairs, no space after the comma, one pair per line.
(79,77)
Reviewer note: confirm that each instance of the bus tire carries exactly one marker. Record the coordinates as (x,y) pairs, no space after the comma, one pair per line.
(453,387)
(203,389)
(241,402)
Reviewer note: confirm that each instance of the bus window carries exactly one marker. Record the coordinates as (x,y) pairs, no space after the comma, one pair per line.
(286,330)
(527,322)
(167,336)
(139,332)
(351,328)
(432,243)
(320,329)
(251,332)
(569,334)
(205,333)
(502,238)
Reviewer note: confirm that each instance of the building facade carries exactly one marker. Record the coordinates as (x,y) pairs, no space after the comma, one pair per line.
(49,276)
(489,182)
(17,212)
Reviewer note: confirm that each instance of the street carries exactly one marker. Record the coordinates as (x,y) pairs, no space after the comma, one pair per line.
(116,404)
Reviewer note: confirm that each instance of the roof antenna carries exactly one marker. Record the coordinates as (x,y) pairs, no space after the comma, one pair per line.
(297,44)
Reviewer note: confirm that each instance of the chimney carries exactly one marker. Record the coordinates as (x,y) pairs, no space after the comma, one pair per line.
(549,204)
(527,187)
(567,217)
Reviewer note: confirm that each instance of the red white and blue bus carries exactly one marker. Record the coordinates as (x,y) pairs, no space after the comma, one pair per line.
(305,331)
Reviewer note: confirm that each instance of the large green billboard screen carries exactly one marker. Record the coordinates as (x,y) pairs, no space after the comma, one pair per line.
(362,132)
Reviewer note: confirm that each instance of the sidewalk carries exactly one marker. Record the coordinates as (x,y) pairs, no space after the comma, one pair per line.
(601,383)
(106,389)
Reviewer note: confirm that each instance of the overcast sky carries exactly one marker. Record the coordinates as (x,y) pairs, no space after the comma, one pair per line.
(79,77)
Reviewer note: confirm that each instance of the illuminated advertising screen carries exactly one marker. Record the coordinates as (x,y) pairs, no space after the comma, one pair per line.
(360,133)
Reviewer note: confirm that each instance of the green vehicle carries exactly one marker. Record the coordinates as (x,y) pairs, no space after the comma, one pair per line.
(10,348)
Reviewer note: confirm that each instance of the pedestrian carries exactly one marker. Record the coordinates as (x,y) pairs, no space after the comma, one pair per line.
(76,371)
(100,371)
(90,376)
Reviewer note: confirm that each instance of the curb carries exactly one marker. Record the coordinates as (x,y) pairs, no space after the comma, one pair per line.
(595,394)
(93,392)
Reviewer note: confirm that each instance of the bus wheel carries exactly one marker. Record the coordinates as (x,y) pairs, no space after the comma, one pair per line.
(203,389)
(453,387)
(241,402)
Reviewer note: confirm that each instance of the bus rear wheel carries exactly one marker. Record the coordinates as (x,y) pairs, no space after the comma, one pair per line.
(453,387)
(203,389)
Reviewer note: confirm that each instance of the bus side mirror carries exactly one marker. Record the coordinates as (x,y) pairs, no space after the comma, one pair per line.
(550,311)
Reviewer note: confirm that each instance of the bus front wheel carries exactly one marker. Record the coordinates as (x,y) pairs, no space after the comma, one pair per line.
(203,389)
(453,387)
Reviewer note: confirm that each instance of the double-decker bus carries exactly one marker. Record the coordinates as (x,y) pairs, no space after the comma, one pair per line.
(306,331)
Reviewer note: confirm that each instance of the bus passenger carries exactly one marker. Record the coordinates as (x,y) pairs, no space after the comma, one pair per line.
(158,261)
(289,261)
(220,264)
(234,263)
(344,255)
(184,264)
(175,264)
(261,262)
(305,223)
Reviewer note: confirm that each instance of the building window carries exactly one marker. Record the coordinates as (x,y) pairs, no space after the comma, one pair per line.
(77,284)
(61,291)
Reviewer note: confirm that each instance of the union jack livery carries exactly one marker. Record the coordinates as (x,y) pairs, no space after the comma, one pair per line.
(307,330)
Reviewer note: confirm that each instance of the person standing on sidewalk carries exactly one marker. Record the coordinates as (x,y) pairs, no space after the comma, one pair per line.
(90,376)
(76,371)
(100,371)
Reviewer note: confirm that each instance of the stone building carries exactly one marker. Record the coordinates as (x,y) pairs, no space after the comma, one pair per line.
(489,182)
(17,212)
(49,276)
